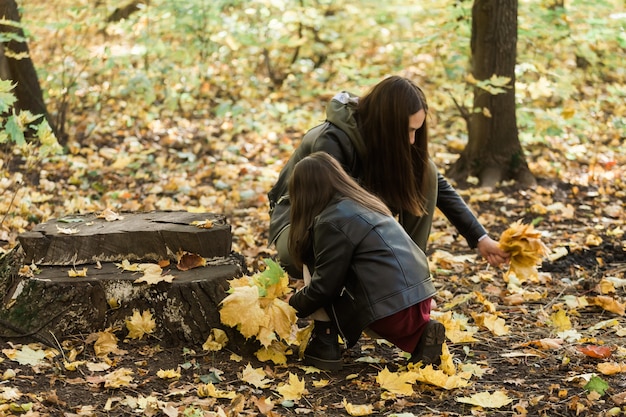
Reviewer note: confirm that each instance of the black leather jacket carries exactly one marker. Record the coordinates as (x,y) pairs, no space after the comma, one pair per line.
(347,149)
(365,267)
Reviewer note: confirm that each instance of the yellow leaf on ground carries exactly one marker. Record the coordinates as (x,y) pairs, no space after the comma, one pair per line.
(168,374)
(255,376)
(26,355)
(493,323)
(293,390)
(358,410)
(140,324)
(608,303)
(209,390)
(486,400)
(560,320)
(118,378)
(611,368)
(320,383)
(107,343)
(437,377)
(447,362)
(399,383)
(216,340)
(457,327)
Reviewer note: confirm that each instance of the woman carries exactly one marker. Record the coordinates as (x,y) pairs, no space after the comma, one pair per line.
(366,271)
(381,140)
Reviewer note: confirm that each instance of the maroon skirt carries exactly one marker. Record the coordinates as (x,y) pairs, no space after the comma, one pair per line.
(405,327)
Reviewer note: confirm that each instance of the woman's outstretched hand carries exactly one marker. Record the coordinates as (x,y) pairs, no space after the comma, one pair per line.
(491,251)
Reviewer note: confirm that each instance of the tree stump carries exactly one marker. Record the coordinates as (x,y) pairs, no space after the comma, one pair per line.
(50,302)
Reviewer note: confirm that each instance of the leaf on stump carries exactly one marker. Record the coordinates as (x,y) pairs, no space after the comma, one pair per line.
(187,261)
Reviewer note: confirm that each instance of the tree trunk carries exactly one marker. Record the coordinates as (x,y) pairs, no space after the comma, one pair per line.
(493,152)
(16,65)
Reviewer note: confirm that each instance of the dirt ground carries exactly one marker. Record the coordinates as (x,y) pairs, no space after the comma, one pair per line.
(540,381)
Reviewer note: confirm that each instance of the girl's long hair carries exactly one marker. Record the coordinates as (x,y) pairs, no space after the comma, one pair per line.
(395,170)
(315,181)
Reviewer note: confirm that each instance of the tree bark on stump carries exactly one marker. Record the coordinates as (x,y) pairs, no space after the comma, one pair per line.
(50,304)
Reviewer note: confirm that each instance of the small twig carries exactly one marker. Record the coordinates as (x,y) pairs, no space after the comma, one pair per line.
(59,345)
(9,208)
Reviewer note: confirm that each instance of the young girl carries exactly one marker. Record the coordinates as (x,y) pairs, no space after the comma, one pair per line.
(366,271)
(381,140)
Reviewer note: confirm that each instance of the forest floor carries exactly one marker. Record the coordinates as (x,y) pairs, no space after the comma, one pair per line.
(541,372)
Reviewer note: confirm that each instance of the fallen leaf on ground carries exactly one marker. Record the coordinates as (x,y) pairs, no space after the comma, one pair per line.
(485,399)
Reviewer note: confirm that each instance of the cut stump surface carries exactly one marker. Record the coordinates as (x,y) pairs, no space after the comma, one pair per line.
(77,240)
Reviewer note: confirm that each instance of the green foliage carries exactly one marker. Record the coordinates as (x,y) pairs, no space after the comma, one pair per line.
(261,65)
(272,275)
(15,124)
(597,384)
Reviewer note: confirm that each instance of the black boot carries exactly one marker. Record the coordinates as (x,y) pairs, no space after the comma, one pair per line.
(323,350)
(428,349)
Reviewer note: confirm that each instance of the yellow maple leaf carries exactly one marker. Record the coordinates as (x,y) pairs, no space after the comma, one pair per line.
(292,390)
(106,343)
(438,378)
(608,303)
(216,340)
(73,273)
(493,323)
(560,320)
(398,383)
(209,390)
(255,376)
(152,274)
(72,366)
(524,245)
(281,318)
(611,368)
(168,374)
(487,400)
(119,378)
(358,410)
(458,329)
(302,337)
(447,362)
(140,324)
(320,383)
(241,309)
(276,352)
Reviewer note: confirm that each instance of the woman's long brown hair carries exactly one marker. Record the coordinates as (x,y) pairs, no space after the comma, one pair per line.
(395,170)
(315,181)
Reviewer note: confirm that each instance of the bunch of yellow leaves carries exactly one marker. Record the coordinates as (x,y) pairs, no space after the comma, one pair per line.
(256,308)
(523,242)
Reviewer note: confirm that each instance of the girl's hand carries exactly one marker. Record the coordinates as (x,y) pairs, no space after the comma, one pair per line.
(491,251)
